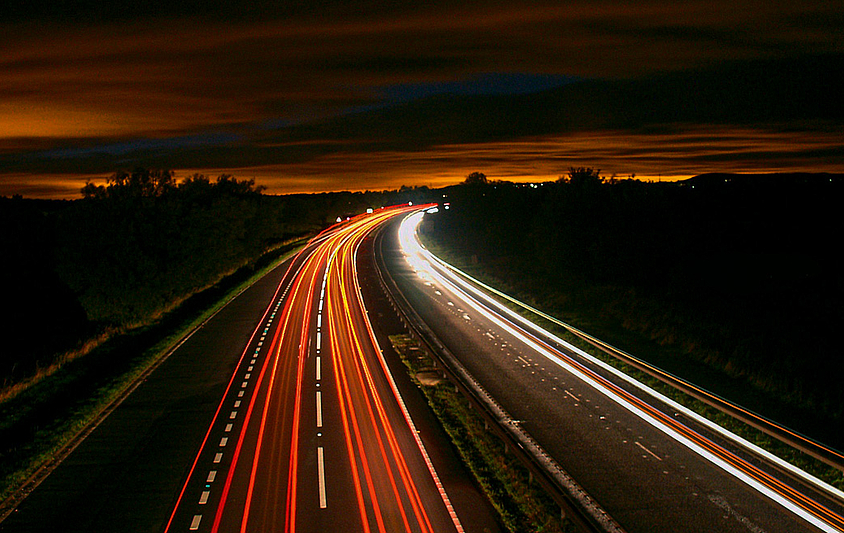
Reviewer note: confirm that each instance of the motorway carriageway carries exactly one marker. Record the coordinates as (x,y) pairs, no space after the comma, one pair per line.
(743,487)
(311,434)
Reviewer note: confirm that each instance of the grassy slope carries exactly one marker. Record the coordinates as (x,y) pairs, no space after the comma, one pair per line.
(43,418)
(665,327)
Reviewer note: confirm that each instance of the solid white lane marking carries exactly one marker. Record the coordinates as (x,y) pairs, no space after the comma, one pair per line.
(212,475)
(319,409)
(321,472)
(203,498)
(194,524)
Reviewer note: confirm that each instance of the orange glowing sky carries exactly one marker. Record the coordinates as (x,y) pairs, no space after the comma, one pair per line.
(317,96)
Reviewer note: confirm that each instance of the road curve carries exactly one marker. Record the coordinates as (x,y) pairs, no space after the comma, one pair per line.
(269,417)
(652,465)
(311,434)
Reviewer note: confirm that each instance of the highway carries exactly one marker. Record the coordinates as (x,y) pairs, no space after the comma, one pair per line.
(649,462)
(312,434)
(280,413)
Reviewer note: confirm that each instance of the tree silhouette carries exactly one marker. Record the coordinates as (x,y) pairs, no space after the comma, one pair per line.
(476,178)
(582,176)
(140,183)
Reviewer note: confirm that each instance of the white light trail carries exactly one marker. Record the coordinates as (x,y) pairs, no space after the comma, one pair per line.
(422,262)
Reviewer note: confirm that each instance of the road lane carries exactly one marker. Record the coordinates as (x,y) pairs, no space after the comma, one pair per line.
(179,453)
(126,475)
(314,438)
(398,500)
(646,481)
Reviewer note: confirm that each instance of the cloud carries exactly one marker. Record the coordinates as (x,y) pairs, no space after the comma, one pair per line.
(80,78)
(668,155)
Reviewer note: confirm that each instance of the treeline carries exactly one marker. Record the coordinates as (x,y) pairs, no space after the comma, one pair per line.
(132,249)
(732,273)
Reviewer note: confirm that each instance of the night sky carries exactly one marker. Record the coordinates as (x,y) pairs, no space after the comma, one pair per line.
(321,96)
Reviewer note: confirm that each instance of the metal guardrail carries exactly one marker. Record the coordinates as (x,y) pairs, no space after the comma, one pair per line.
(576,505)
(787,436)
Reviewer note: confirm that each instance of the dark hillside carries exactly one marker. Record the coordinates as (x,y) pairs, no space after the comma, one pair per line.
(32,288)
(739,275)
(127,253)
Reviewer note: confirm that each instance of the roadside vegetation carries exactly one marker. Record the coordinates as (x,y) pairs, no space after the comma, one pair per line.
(52,410)
(128,252)
(521,504)
(730,282)
(98,289)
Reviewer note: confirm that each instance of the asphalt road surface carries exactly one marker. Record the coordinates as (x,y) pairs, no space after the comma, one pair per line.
(279,414)
(651,467)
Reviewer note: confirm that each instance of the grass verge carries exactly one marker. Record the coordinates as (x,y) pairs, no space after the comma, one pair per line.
(803,461)
(46,417)
(521,504)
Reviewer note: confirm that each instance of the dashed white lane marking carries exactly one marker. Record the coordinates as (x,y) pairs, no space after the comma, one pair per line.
(218,457)
(319,409)
(228,428)
(318,368)
(194,524)
(224,441)
(212,475)
(318,340)
(658,458)
(233,415)
(203,498)
(323,503)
